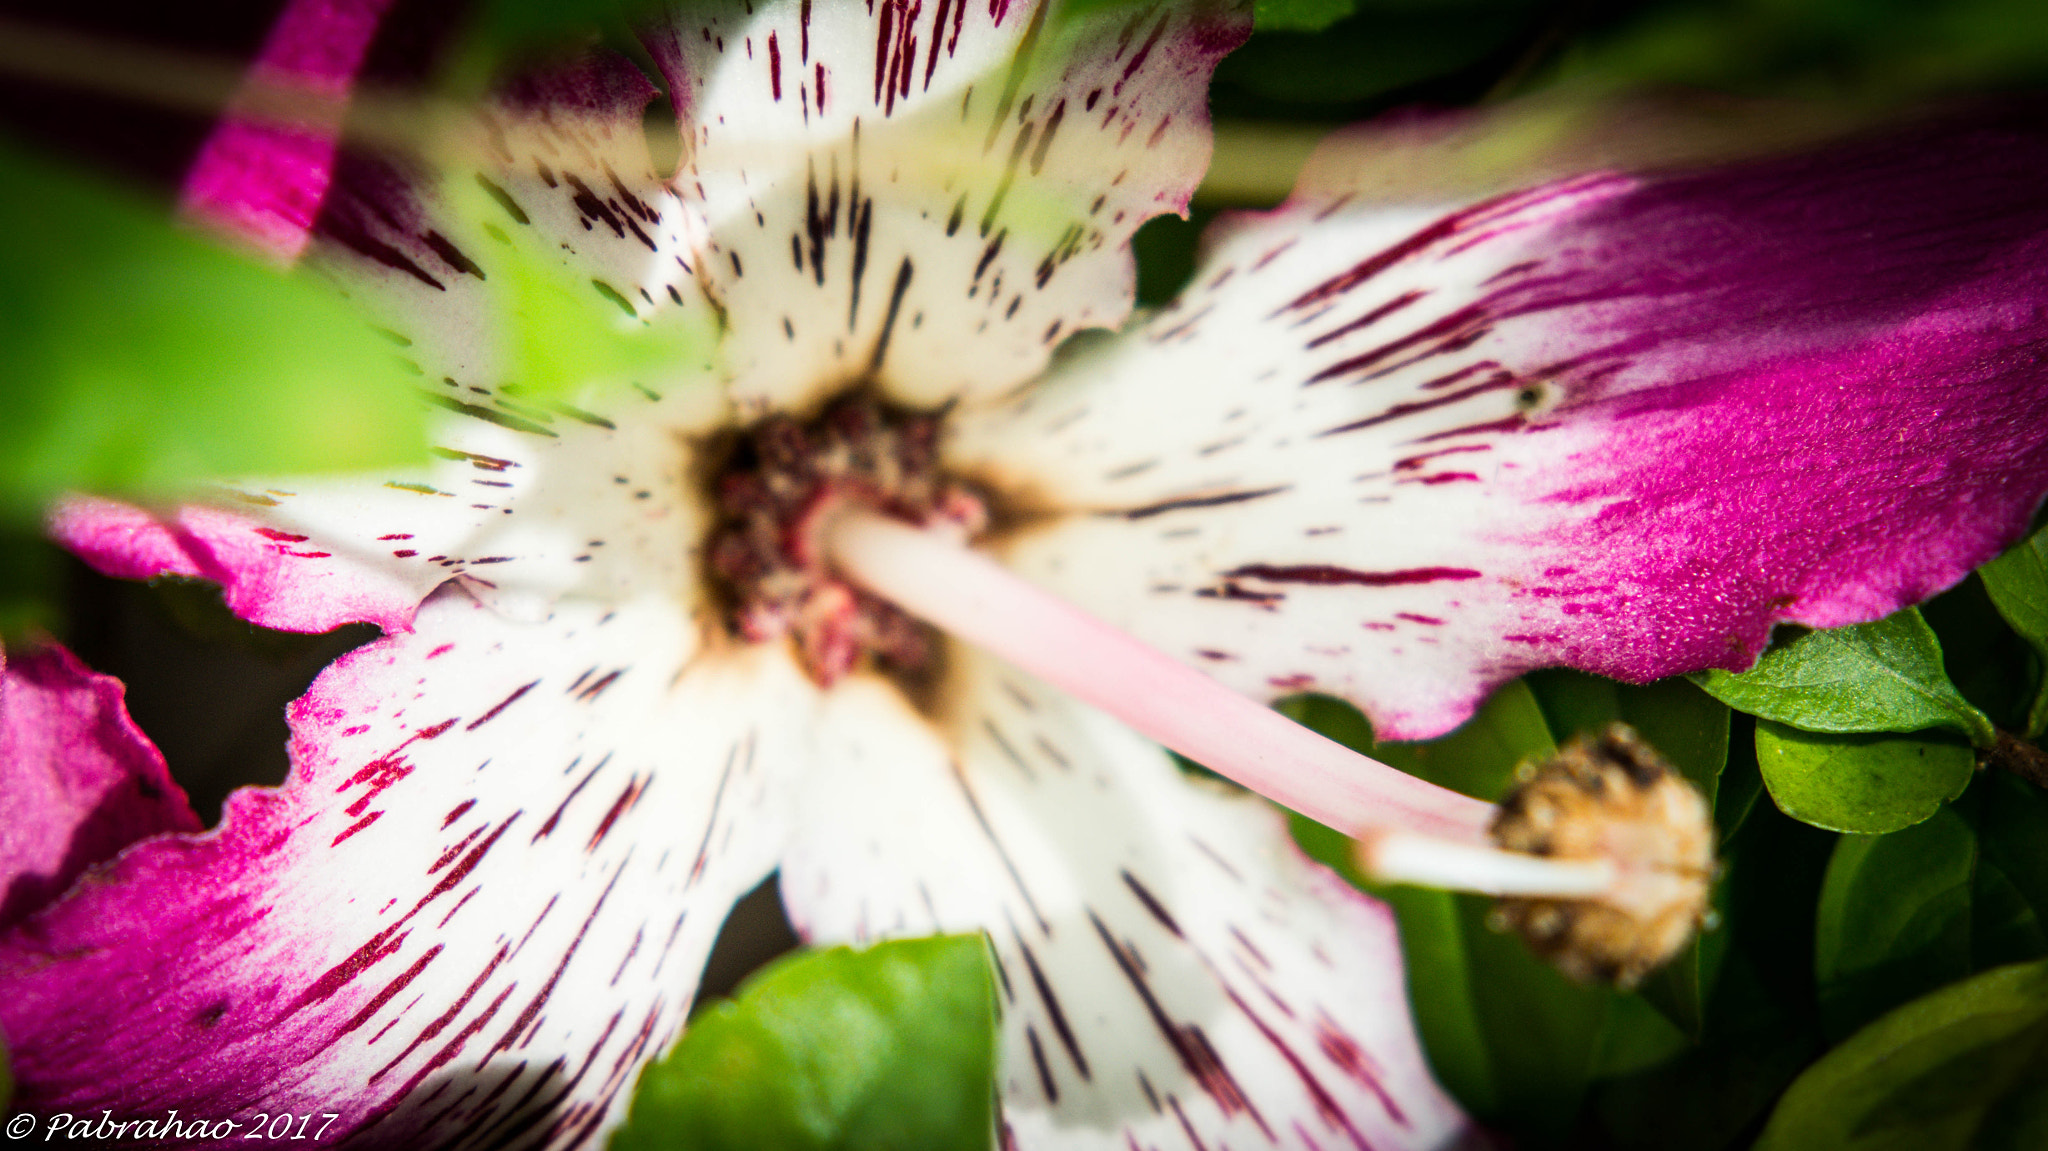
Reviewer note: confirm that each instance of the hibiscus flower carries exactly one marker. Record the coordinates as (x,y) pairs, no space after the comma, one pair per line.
(645,649)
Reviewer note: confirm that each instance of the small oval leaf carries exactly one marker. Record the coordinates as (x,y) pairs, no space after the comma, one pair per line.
(892,1047)
(1867,783)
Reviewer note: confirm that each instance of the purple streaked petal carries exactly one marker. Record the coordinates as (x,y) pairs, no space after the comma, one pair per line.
(552,172)
(598,509)
(78,780)
(1626,424)
(933,193)
(482,898)
(263,181)
(552,180)
(1173,972)
(269,577)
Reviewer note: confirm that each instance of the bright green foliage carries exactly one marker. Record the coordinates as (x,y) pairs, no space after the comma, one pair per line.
(1516,1042)
(1958,1068)
(2018,583)
(141,358)
(888,1049)
(1882,676)
(1863,783)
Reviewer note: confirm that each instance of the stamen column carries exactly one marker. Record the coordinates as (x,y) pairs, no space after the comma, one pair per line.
(1442,836)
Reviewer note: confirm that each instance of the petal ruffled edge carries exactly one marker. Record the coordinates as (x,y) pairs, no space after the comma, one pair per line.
(266,574)
(78,780)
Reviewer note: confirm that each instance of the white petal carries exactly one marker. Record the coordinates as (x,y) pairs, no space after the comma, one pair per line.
(482,899)
(1626,424)
(1202,455)
(932,194)
(521,519)
(1174,972)
(531,497)
(554,168)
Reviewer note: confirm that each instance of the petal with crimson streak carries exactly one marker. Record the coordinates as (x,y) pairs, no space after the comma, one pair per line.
(551,182)
(932,193)
(1404,453)
(480,900)
(1173,972)
(267,575)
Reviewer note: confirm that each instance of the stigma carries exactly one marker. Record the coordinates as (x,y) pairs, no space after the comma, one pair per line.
(1610,797)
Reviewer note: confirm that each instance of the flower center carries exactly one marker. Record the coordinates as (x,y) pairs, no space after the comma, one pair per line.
(782,483)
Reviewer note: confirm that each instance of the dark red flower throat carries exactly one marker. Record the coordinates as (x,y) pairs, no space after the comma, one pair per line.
(780,484)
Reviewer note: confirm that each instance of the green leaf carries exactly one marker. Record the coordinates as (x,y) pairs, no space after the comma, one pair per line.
(2018,583)
(890,1048)
(2012,836)
(1478,759)
(1957,1068)
(1867,784)
(500,37)
(2012,827)
(1988,662)
(1894,920)
(1706,1100)
(2004,927)
(141,358)
(1515,1041)
(1882,676)
(1760,1033)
